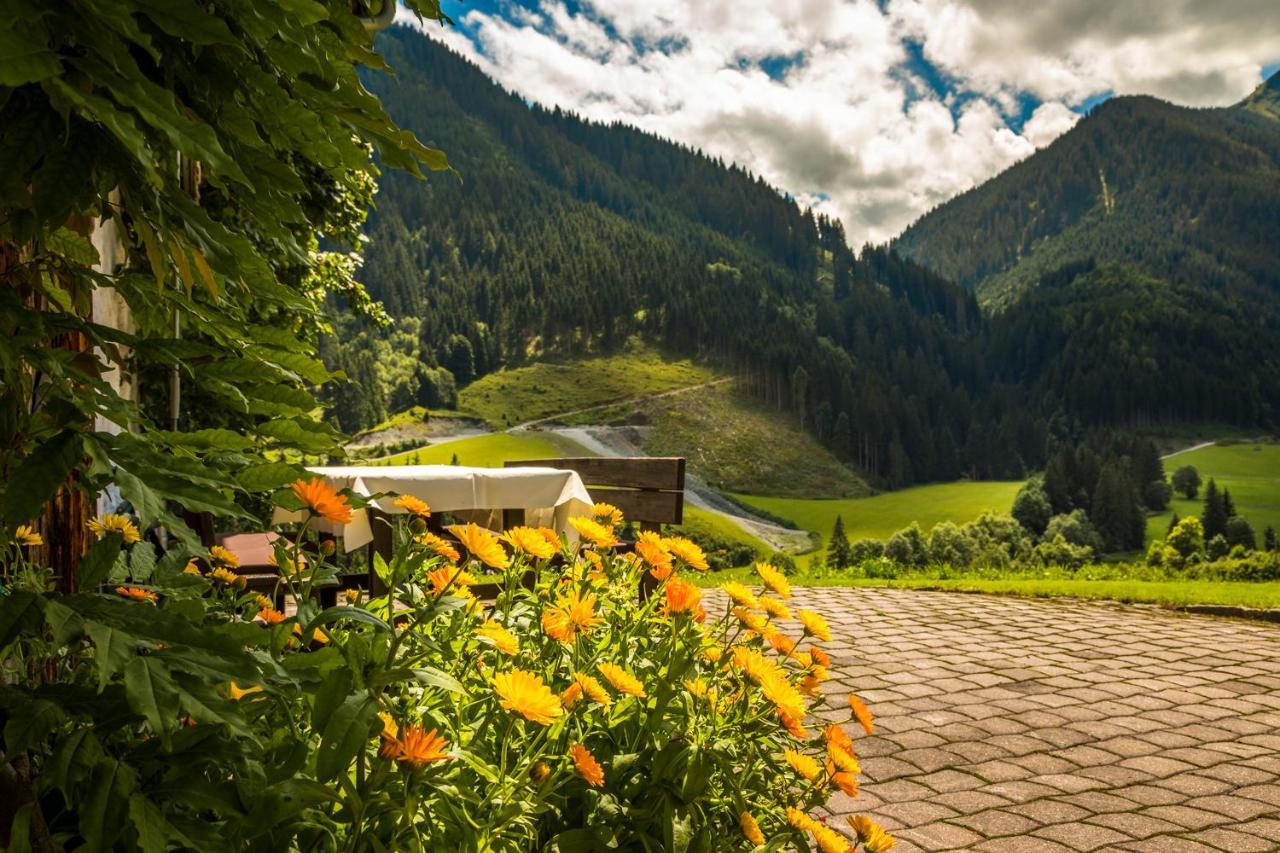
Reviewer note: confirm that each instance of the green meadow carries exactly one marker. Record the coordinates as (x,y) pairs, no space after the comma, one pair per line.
(488,451)
(1251,472)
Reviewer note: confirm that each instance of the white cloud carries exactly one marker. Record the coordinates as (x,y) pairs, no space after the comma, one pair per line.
(846,124)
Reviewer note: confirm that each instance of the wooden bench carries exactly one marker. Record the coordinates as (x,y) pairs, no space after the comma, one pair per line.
(648,489)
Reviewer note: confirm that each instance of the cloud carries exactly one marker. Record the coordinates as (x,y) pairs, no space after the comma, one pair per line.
(839,102)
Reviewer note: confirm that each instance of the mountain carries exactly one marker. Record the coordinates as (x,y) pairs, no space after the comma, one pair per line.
(1188,195)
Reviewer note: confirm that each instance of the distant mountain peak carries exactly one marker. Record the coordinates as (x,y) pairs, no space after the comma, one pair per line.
(1265,99)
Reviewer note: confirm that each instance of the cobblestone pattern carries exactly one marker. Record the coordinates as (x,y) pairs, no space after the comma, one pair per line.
(1018,725)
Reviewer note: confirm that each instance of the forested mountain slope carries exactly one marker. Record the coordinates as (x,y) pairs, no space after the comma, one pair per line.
(1191,195)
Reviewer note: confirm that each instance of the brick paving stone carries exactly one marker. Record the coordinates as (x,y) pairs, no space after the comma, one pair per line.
(1024,726)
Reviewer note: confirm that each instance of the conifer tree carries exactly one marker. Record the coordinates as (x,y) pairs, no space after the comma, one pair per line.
(838,556)
(1214,517)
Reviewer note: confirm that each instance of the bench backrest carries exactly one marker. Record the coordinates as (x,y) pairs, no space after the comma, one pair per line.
(648,489)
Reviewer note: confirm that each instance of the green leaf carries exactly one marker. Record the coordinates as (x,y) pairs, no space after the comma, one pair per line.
(38,476)
(30,723)
(269,476)
(433,677)
(96,563)
(306,435)
(152,694)
(72,759)
(332,693)
(64,623)
(25,57)
(346,613)
(142,562)
(114,650)
(347,732)
(153,830)
(20,612)
(103,811)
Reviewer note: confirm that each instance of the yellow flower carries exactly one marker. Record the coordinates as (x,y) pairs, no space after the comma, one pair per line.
(539,771)
(873,837)
(237,693)
(774,607)
(191,568)
(688,551)
(223,557)
(323,500)
(810,683)
(774,579)
(804,765)
(571,695)
(113,523)
(586,765)
(622,681)
(753,621)
(287,565)
(552,537)
(440,547)
(502,639)
(571,616)
(482,544)
(682,597)
(842,759)
(741,594)
(784,697)
(226,576)
(352,596)
(594,532)
(413,506)
(814,624)
(524,693)
(136,594)
(416,747)
(607,514)
(828,840)
(861,713)
(656,556)
(531,542)
(712,654)
(594,689)
(451,579)
(750,829)
(697,688)
(27,535)
(800,820)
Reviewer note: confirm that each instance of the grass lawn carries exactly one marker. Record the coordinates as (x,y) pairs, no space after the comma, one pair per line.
(510,397)
(1251,472)
(880,516)
(489,451)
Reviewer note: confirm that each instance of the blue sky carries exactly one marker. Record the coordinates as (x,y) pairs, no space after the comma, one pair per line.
(871,110)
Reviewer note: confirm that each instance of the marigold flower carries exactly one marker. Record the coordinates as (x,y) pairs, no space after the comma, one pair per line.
(814,624)
(861,713)
(539,771)
(712,653)
(813,681)
(607,514)
(571,696)
(805,765)
(800,820)
(352,596)
(531,542)
(524,693)
(572,615)
(828,840)
(502,639)
(389,747)
(774,579)
(136,593)
(594,532)
(417,747)
(794,725)
(191,568)
(622,681)
(27,535)
(552,537)
(846,782)
(753,621)
(688,551)
(586,765)
(323,500)
(451,579)
(413,505)
(775,608)
(288,565)
(837,736)
(780,642)
(237,693)
(697,688)
(270,616)
(594,689)
(741,594)
(113,523)
(820,657)
(482,544)
(842,759)
(439,546)
(682,596)
(873,837)
(750,829)
(656,556)
(223,557)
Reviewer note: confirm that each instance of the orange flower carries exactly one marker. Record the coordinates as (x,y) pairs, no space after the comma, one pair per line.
(413,506)
(820,657)
(539,771)
(593,689)
(774,579)
(838,737)
(451,579)
(571,696)
(814,624)
(861,713)
(740,593)
(828,840)
(656,556)
(524,693)
(794,725)
(622,681)
(223,557)
(586,765)
(804,765)
(594,532)
(682,597)
(531,542)
(750,829)
(800,820)
(113,523)
(351,596)
(846,782)
(688,551)
(323,500)
(27,535)
(502,639)
(842,759)
(781,642)
(482,544)
(136,594)
(571,616)
(270,616)
(440,547)
(607,514)
(417,747)
(553,538)
(389,735)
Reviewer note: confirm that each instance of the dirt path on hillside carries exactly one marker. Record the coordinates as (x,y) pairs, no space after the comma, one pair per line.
(1201,446)
(624,401)
(628,441)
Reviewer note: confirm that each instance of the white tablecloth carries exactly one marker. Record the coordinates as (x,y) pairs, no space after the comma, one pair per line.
(549,496)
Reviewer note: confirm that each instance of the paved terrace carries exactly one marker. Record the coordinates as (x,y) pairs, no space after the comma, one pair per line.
(1021,725)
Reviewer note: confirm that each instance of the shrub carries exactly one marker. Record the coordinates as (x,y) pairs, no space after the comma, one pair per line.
(1031,506)
(949,545)
(1240,534)
(1060,552)
(1217,547)
(181,710)
(865,549)
(1076,528)
(1187,537)
(907,546)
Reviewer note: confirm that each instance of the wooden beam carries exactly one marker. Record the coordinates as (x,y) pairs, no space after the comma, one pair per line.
(637,472)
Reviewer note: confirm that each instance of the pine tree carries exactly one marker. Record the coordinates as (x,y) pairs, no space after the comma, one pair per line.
(1115,510)
(838,546)
(1214,517)
(1228,505)
(1269,539)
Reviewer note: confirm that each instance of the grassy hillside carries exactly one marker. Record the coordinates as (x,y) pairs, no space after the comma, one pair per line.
(1250,471)
(542,390)
(737,444)
(489,451)
(879,516)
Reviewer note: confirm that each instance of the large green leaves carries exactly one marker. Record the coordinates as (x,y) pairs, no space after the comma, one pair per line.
(346,731)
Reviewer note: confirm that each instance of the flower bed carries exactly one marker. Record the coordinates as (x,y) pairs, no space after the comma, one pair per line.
(178,709)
